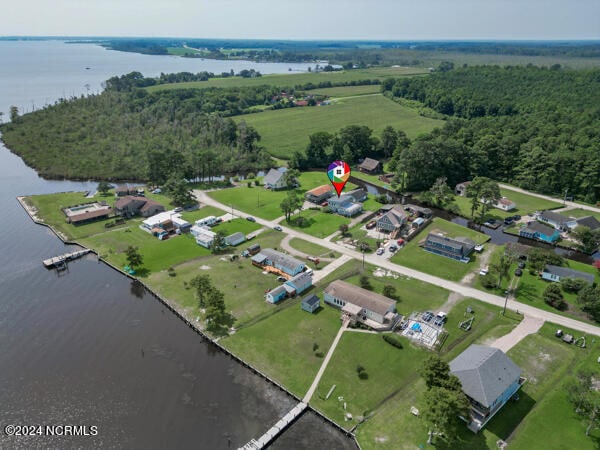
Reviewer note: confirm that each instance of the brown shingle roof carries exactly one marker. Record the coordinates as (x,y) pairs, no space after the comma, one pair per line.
(359,296)
(320,190)
(369,164)
(89,215)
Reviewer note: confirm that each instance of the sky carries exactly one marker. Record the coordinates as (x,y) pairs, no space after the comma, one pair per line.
(306,19)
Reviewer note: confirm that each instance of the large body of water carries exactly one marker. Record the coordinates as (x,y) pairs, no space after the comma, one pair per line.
(89,348)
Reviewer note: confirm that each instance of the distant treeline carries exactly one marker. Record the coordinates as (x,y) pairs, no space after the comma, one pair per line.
(142,136)
(537,128)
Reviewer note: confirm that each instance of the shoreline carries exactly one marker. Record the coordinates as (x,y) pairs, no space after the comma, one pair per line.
(175,309)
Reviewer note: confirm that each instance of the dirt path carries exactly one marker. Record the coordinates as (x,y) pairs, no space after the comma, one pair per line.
(483,262)
(528,325)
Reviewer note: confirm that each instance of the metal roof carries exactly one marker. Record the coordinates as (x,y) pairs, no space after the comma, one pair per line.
(281,258)
(539,227)
(484,372)
(311,300)
(360,297)
(565,272)
(272,177)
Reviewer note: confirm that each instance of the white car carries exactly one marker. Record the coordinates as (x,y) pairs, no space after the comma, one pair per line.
(380,251)
(484,271)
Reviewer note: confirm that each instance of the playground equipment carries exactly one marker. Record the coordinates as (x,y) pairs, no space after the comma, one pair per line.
(580,342)
(466,324)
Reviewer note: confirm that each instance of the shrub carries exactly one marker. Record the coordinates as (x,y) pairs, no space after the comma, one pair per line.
(489,281)
(249,184)
(319,354)
(553,297)
(256,183)
(392,340)
(251,175)
(572,284)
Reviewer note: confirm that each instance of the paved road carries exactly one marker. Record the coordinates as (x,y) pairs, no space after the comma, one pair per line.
(466,291)
(547,197)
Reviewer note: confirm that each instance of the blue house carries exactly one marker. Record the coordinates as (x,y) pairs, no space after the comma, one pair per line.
(310,303)
(459,248)
(281,261)
(557,273)
(345,205)
(276,294)
(540,232)
(489,379)
(300,282)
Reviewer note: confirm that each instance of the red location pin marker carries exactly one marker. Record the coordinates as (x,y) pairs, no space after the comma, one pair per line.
(338,173)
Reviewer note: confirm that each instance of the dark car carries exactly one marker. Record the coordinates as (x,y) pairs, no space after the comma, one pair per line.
(250,219)
(517,217)
(278,228)
(518,272)
(521,264)
(427,316)
(393,248)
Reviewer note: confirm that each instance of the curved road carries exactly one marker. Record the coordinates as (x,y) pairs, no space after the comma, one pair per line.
(466,291)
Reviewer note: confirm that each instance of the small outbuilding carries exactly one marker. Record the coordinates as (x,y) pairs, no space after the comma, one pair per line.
(300,282)
(277,294)
(370,166)
(310,303)
(235,239)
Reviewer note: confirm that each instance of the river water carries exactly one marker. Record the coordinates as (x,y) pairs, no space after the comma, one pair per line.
(88,347)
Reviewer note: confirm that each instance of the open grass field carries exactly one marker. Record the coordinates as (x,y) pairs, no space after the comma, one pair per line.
(578,212)
(317,223)
(286,130)
(294,79)
(282,344)
(526,204)
(312,249)
(348,91)
(264,203)
(416,258)
(201,213)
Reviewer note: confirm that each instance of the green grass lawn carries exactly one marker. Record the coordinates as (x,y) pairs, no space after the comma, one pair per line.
(282,344)
(526,204)
(415,257)
(286,130)
(373,179)
(311,249)
(388,369)
(348,91)
(317,223)
(263,202)
(578,212)
(294,79)
(201,213)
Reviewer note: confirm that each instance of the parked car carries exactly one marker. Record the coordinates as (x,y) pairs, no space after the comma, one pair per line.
(517,217)
(178,209)
(278,228)
(440,319)
(427,316)
(250,219)
(484,271)
(325,203)
(521,264)
(400,241)
(393,248)
(371,224)
(282,279)
(380,251)
(518,272)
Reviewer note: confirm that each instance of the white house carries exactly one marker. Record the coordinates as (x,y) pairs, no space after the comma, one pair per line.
(274,180)
(505,204)
(164,220)
(204,236)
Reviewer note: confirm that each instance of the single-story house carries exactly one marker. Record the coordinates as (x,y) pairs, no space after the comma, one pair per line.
(274,180)
(359,194)
(319,194)
(539,231)
(132,205)
(588,221)
(556,220)
(489,379)
(276,294)
(281,261)
(392,220)
(122,191)
(168,220)
(557,273)
(344,205)
(371,166)
(310,303)
(204,236)
(419,210)
(505,204)
(89,212)
(461,188)
(300,282)
(235,239)
(456,248)
(361,305)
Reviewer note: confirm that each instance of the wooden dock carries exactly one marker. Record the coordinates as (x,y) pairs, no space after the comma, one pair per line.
(284,422)
(59,261)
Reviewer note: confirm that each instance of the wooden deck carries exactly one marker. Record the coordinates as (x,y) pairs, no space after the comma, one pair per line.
(60,260)
(284,422)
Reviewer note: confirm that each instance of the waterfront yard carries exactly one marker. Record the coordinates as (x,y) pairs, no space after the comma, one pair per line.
(283,344)
(286,130)
(413,256)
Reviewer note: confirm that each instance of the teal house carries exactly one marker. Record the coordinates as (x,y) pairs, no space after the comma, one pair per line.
(539,231)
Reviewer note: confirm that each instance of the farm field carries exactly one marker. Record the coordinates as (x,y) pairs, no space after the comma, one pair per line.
(287,130)
(347,91)
(294,79)
(413,256)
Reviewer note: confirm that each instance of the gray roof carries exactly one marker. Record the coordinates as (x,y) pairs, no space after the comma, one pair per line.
(555,217)
(565,272)
(311,300)
(259,258)
(235,237)
(419,209)
(396,215)
(484,372)
(278,290)
(272,177)
(462,243)
(358,194)
(589,221)
(281,258)
(300,279)
(360,297)
(369,164)
(539,227)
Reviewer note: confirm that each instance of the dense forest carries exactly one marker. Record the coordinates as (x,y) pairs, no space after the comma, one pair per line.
(140,136)
(535,127)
